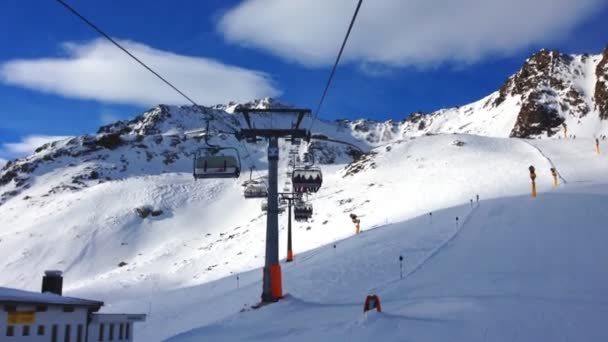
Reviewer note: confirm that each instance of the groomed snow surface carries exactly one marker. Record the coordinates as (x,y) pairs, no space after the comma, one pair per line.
(512,268)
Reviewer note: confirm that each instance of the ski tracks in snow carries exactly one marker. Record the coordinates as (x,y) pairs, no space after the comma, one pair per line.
(433,253)
(444,244)
(547,158)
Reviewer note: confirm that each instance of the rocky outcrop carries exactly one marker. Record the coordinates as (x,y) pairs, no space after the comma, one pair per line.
(548,93)
(535,119)
(601,86)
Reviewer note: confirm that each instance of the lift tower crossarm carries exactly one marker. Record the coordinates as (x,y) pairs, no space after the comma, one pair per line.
(300,111)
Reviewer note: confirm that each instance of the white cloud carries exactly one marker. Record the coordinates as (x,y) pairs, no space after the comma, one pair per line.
(99,71)
(400,33)
(2,162)
(28,144)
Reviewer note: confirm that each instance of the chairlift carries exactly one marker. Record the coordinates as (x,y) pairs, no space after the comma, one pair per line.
(256,191)
(302,211)
(215,162)
(306,179)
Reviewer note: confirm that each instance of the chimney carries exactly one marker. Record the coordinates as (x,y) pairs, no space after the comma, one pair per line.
(52,282)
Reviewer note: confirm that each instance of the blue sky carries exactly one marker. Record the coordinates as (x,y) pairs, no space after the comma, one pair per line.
(403,56)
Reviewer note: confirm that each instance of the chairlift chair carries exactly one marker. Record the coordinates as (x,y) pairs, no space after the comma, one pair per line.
(302,211)
(216,163)
(306,179)
(256,191)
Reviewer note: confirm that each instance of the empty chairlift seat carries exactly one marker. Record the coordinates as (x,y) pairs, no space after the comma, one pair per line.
(306,180)
(256,191)
(217,166)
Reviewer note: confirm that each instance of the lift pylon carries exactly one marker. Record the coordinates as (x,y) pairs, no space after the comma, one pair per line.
(272,289)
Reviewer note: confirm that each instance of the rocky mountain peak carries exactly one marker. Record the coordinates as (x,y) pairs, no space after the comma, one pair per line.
(551,87)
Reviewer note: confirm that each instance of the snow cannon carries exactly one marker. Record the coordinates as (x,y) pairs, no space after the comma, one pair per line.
(554,174)
(532,172)
(533,178)
(357,221)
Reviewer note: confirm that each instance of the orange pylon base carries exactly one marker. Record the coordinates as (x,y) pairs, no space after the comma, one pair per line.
(289,255)
(276,281)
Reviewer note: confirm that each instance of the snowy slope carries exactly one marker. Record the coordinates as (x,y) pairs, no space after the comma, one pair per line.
(438,174)
(515,269)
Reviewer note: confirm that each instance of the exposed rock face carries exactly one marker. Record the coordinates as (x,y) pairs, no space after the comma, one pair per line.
(547,86)
(535,119)
(601,87)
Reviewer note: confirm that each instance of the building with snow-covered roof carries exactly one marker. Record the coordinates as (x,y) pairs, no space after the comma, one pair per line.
(49,316)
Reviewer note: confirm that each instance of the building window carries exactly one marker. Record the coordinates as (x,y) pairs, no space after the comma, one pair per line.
(41,308)
(128,331)
(10,307)
(101,328)
(121,331)
(79,333)
(26,330)
(111,337)
(68,309)
(68,333)
(10,330)
(54,333)
(40,330)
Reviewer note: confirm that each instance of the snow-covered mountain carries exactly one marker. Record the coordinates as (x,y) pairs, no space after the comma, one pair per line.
(119,212)
(551,91)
